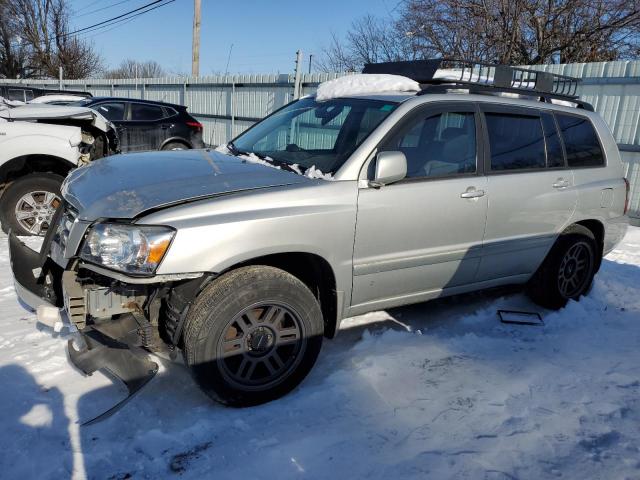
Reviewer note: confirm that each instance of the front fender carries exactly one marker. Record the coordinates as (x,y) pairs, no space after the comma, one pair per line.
(214,235)
(15,143)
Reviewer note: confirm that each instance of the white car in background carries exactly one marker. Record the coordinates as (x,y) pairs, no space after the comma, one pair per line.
(39,145)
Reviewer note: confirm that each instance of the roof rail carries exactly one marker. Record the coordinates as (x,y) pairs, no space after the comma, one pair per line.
(443,74)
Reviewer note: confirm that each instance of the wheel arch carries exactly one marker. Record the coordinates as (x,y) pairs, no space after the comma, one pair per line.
(315,272)
(181,140)
(23,165)
(597,228)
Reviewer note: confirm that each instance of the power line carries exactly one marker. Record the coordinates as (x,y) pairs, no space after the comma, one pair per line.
(123,21)
(101,9)
(113,20)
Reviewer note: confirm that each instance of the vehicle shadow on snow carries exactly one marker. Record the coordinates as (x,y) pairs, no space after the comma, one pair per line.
(175,428)
(35,428)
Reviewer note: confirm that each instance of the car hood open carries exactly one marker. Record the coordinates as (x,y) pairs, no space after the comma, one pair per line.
(125,186)
(44,112)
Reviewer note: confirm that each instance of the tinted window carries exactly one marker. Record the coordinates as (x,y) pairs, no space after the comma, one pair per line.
(580,141)
(111,111)
(141,112)
(28,94)
(15,94)
(438,145)
(554,148)
(516,142)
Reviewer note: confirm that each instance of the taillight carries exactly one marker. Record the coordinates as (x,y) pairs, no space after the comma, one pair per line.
(627,193)
(196,125)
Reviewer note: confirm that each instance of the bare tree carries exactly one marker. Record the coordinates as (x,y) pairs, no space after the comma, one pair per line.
(369,40)
(524,31)
(504,31)
(134,69)
(11,57)
(35,37)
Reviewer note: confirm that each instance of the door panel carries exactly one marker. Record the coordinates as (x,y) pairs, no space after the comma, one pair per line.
(525,214)
(143,129)
(423,234)
(417,237)
(532,194)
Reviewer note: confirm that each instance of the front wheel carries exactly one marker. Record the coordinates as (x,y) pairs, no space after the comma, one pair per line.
(28,204)
(252,335)
(567,272)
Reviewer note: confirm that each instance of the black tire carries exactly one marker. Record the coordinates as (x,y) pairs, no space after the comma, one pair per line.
(217,348)
(12,195)
(550,287)
(176,146)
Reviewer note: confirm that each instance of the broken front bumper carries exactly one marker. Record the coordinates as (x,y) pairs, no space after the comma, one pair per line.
(114,345)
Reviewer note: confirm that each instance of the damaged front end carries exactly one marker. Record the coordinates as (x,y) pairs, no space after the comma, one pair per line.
(119,322)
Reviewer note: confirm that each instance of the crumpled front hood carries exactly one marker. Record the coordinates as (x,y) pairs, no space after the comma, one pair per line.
(44,112)
(125,186)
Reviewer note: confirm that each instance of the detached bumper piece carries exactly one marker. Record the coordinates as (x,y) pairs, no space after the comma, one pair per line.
(36,278)
(119,356)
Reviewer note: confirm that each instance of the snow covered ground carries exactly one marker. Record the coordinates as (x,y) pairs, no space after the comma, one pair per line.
(436,390)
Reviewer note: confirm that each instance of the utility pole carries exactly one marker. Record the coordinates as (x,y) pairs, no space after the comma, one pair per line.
(297,90)
(195,58)
(310,61)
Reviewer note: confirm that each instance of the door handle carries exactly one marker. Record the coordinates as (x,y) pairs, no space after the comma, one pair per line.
(165,126)
(560,183)
(472,193)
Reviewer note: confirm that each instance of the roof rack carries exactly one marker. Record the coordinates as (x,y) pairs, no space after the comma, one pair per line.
(441,75)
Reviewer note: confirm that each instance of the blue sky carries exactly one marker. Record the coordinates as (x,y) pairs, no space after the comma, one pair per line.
(265,33)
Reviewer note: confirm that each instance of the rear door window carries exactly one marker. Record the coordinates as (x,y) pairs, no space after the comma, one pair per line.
(146,113)
(111,111)
(516,141)
(580,141)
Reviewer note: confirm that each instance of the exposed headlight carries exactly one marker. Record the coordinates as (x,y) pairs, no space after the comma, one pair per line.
(134,249)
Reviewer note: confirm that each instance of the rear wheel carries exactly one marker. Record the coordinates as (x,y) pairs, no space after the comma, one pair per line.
(175,146)
(568,270)
(252,335)
(28,204)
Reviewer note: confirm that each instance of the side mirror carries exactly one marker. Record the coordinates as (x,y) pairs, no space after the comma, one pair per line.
(390,167)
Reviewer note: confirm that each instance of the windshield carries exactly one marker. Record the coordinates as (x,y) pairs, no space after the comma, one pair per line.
(309,134)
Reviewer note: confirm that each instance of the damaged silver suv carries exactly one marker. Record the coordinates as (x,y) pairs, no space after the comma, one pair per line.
(384,191)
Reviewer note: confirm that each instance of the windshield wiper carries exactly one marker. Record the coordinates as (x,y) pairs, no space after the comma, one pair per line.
(278,163)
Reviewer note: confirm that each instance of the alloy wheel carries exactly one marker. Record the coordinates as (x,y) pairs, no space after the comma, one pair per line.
(261,346)
(575,269)
(34,211)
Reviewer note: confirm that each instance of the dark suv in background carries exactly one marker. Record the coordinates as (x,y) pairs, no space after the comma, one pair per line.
(148,125)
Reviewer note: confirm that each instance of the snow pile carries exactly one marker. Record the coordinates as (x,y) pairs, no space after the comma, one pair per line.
(437,390)
(6,103)
(365,83)
(313,172)
(458,75)
(253,158)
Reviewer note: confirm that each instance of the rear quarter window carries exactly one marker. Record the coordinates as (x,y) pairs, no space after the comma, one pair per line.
(142,112)
(580,141)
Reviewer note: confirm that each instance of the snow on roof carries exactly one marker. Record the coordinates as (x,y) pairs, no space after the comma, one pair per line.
(365,83)
(56,98)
